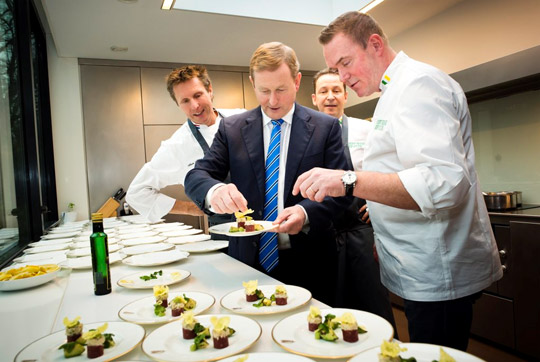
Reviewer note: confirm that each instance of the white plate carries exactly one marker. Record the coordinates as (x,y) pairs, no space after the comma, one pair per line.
(131,228)
(188,239)
(295,328)
(141,311)
(236,301)
(126,335)
(177,232)
(167,225)
(51,242)
(86,243)
(204,246)
(47,248)
(146,248)
(86,261)
(79,252)
(224,228)
(422,352)
(60,235)
(152,259)
(173,229)
(166,343)
(28,282)
(33,257)
(168,277)
(140,241)
(268,356)
(60,230)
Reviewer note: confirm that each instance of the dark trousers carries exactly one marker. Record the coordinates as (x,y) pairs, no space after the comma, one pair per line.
(446,323)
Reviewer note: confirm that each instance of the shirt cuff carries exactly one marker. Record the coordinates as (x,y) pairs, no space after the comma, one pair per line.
(416,186)
(306,227)
(209,196)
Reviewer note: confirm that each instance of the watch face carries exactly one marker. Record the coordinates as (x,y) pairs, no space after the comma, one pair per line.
(349,178)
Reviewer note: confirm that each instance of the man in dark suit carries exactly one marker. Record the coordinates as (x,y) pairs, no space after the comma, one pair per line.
(305,250)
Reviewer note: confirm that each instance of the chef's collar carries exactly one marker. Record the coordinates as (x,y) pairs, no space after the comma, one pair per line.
(388,74)
(218,117)
(286,118)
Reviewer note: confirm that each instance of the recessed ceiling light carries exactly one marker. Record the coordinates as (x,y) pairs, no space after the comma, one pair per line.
(115,48)
(167,4)
(128,1)
(370,6)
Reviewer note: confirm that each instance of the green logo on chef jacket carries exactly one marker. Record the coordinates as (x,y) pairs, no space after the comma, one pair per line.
(356,144)
(380,124)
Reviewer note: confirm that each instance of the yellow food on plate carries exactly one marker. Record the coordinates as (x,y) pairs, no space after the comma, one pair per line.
(239,215)
(27,271)
(445,357)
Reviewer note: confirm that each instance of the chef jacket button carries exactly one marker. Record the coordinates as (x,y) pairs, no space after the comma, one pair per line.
(260,213)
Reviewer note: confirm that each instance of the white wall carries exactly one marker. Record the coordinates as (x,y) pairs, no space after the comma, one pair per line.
(68,132)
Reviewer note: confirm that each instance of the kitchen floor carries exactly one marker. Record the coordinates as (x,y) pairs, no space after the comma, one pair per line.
(478,348)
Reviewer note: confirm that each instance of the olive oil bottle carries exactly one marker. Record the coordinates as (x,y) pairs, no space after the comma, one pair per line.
(100,256)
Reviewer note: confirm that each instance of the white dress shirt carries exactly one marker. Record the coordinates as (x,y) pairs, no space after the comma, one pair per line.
(173,160)
(422,132)
(358,132)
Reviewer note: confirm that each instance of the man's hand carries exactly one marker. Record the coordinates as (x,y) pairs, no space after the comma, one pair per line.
(318,183)
(227,199)
(365,217)
(291,220)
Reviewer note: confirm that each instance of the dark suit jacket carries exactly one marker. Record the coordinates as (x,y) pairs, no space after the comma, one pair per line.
(315,141)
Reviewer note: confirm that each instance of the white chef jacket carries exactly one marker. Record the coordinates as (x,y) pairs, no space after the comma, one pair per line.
(358,132)
(169,166)
(422,132)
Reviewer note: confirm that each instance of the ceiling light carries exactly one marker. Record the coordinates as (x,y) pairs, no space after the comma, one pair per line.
(370,6)
(167,4)
(128,1)
(115,48)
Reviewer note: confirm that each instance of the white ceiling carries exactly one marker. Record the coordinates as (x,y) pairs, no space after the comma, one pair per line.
(88,29)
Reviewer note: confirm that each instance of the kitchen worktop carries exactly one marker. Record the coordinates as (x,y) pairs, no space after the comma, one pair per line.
(528,212)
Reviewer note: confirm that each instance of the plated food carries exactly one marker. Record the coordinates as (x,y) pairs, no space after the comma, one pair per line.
(146,280)
(126,336)
(167,343)
(294,333)
(27,276)
(260,300)
(224,229)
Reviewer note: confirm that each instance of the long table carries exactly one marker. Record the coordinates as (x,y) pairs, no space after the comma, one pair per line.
(27,315)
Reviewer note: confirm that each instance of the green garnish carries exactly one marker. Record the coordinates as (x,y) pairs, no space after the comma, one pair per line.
(190,303)
(109,341)
(202,334)
(234,229)
(159,310)
(325,330)
(361,330)
(72,349)
(151,276)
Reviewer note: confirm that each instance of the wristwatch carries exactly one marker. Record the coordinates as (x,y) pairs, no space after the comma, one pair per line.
(349,182)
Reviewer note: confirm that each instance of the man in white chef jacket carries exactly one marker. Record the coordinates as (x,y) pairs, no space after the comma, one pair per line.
(359,285)
(191,89)
(432,231)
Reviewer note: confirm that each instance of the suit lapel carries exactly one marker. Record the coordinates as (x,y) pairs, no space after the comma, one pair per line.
(252,135)
(301,132)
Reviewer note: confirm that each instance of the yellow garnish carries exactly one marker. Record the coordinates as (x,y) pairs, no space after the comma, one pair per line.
(314,312)
(27,271)
(250,286)
(72,323)
(445,357)
(221,323)
(93,334)
(391,349)
(188,318)
(126,281)
(176,275)
(160,290)
(346,318)
(238,214)
(280,289)
(242,359)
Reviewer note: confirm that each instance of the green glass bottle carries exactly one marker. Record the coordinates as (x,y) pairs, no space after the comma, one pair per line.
(100,256)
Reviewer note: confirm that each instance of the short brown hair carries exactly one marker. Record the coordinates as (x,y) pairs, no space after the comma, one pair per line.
(354,24)
(185,73)
(269,56)
(325,71)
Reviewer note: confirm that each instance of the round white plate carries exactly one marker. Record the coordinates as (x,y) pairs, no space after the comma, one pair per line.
(176,232)
(146,248)
(130,228)
(141,311)
(65,230)
(139,241)
(204,246)
(167,225)
(33,257)
(126,336)
(86,261)
(80,252)
(292,334)
(47,248)
(224,228)
(168,277)
(138,235)
(236,301)
(60,235)
(268,356)
(51,242)
(178,240)
(28,282)
(166,343)
(422,352)
(152,259)
(86,243)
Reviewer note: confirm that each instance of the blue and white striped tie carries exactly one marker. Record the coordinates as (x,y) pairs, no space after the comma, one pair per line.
(268,246)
